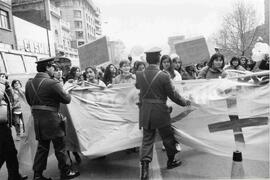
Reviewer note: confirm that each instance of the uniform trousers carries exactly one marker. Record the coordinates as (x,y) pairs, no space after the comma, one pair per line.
(40,161)
(167,135)
(8,152)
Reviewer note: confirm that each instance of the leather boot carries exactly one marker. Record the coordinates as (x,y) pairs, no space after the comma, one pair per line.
(39,176)
(69,174)
(144,170)
(172,163)
(23,177)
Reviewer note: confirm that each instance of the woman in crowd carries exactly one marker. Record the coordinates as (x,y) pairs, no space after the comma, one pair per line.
(250,65)
(125,76)
(214,68)
(58,75)
(90,75)
(166,65)
(178,66)
(243,62)
(199,66)
(139,66)
(191,72)
(235,64)
(74,76)
(109,74)
(17,113)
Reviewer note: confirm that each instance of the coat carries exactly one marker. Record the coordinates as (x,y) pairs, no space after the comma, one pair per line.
(209,73)
(156,115)
(48,124)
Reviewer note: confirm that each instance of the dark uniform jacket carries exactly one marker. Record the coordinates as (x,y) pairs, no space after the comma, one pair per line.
(156,115)
(47,123)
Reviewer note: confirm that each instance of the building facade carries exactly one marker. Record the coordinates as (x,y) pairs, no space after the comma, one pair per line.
(266,18)
(116,51)
(31,37)
(7,33)
(84,18)
(172,40)
(47,14)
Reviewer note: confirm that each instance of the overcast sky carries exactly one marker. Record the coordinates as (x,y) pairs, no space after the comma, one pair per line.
(149,22)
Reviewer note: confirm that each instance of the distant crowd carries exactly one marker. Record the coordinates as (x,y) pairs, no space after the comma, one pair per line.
(125,73)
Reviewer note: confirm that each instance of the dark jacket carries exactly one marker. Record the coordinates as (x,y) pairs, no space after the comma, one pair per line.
(210,73)
(51,93)
(156,115)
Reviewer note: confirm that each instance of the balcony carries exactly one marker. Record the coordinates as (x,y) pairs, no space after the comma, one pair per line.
(55,11)
(97,20)
(65,25)
(65,49)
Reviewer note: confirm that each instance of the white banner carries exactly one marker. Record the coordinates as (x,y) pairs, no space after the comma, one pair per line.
(225,116)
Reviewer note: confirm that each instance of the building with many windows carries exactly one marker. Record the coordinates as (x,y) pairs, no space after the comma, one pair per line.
(47,14)
(7,34)
(84,19)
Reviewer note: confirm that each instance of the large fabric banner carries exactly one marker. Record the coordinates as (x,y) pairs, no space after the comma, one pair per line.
(225,116)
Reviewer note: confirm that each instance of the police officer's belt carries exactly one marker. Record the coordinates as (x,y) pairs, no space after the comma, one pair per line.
(154,101)
(43,107)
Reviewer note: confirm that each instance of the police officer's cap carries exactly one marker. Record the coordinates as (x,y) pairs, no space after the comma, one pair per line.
(154,50)
(45,60)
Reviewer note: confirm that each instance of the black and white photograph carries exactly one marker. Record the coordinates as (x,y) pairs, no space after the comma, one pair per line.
(134,89)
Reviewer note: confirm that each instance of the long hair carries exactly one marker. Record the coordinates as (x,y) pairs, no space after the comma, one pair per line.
(72,73)
(216,56)
(235,59)
(171,68)
(181,69)
(85,72)
(108,76)
(14,81)
(246,60)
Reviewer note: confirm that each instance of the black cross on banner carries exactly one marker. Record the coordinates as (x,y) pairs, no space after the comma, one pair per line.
(237,124)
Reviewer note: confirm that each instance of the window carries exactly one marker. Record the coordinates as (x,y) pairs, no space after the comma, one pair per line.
(79,35)
(2,66)
(30,64)
(14,63)
(4,19)
(77,13)
(78,24)
(76,2)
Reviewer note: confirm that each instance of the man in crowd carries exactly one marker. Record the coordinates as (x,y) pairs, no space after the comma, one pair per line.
(44,95)
(155,86)
(8,152)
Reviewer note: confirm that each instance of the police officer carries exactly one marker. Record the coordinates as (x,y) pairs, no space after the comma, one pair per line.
(155,86)
(44,95)
(8,152)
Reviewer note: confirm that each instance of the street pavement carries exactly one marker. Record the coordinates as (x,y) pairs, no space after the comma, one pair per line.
(123,165)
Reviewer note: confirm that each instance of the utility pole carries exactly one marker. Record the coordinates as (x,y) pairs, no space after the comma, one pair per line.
(47,21)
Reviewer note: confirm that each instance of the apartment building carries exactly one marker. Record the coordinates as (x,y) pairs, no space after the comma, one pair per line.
(7,34)
(84,18)
(47,14)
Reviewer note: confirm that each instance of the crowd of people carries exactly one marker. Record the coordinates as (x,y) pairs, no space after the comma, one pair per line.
(107,77)
(214,68)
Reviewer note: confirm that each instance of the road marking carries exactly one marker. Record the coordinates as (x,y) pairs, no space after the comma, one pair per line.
(155,167)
